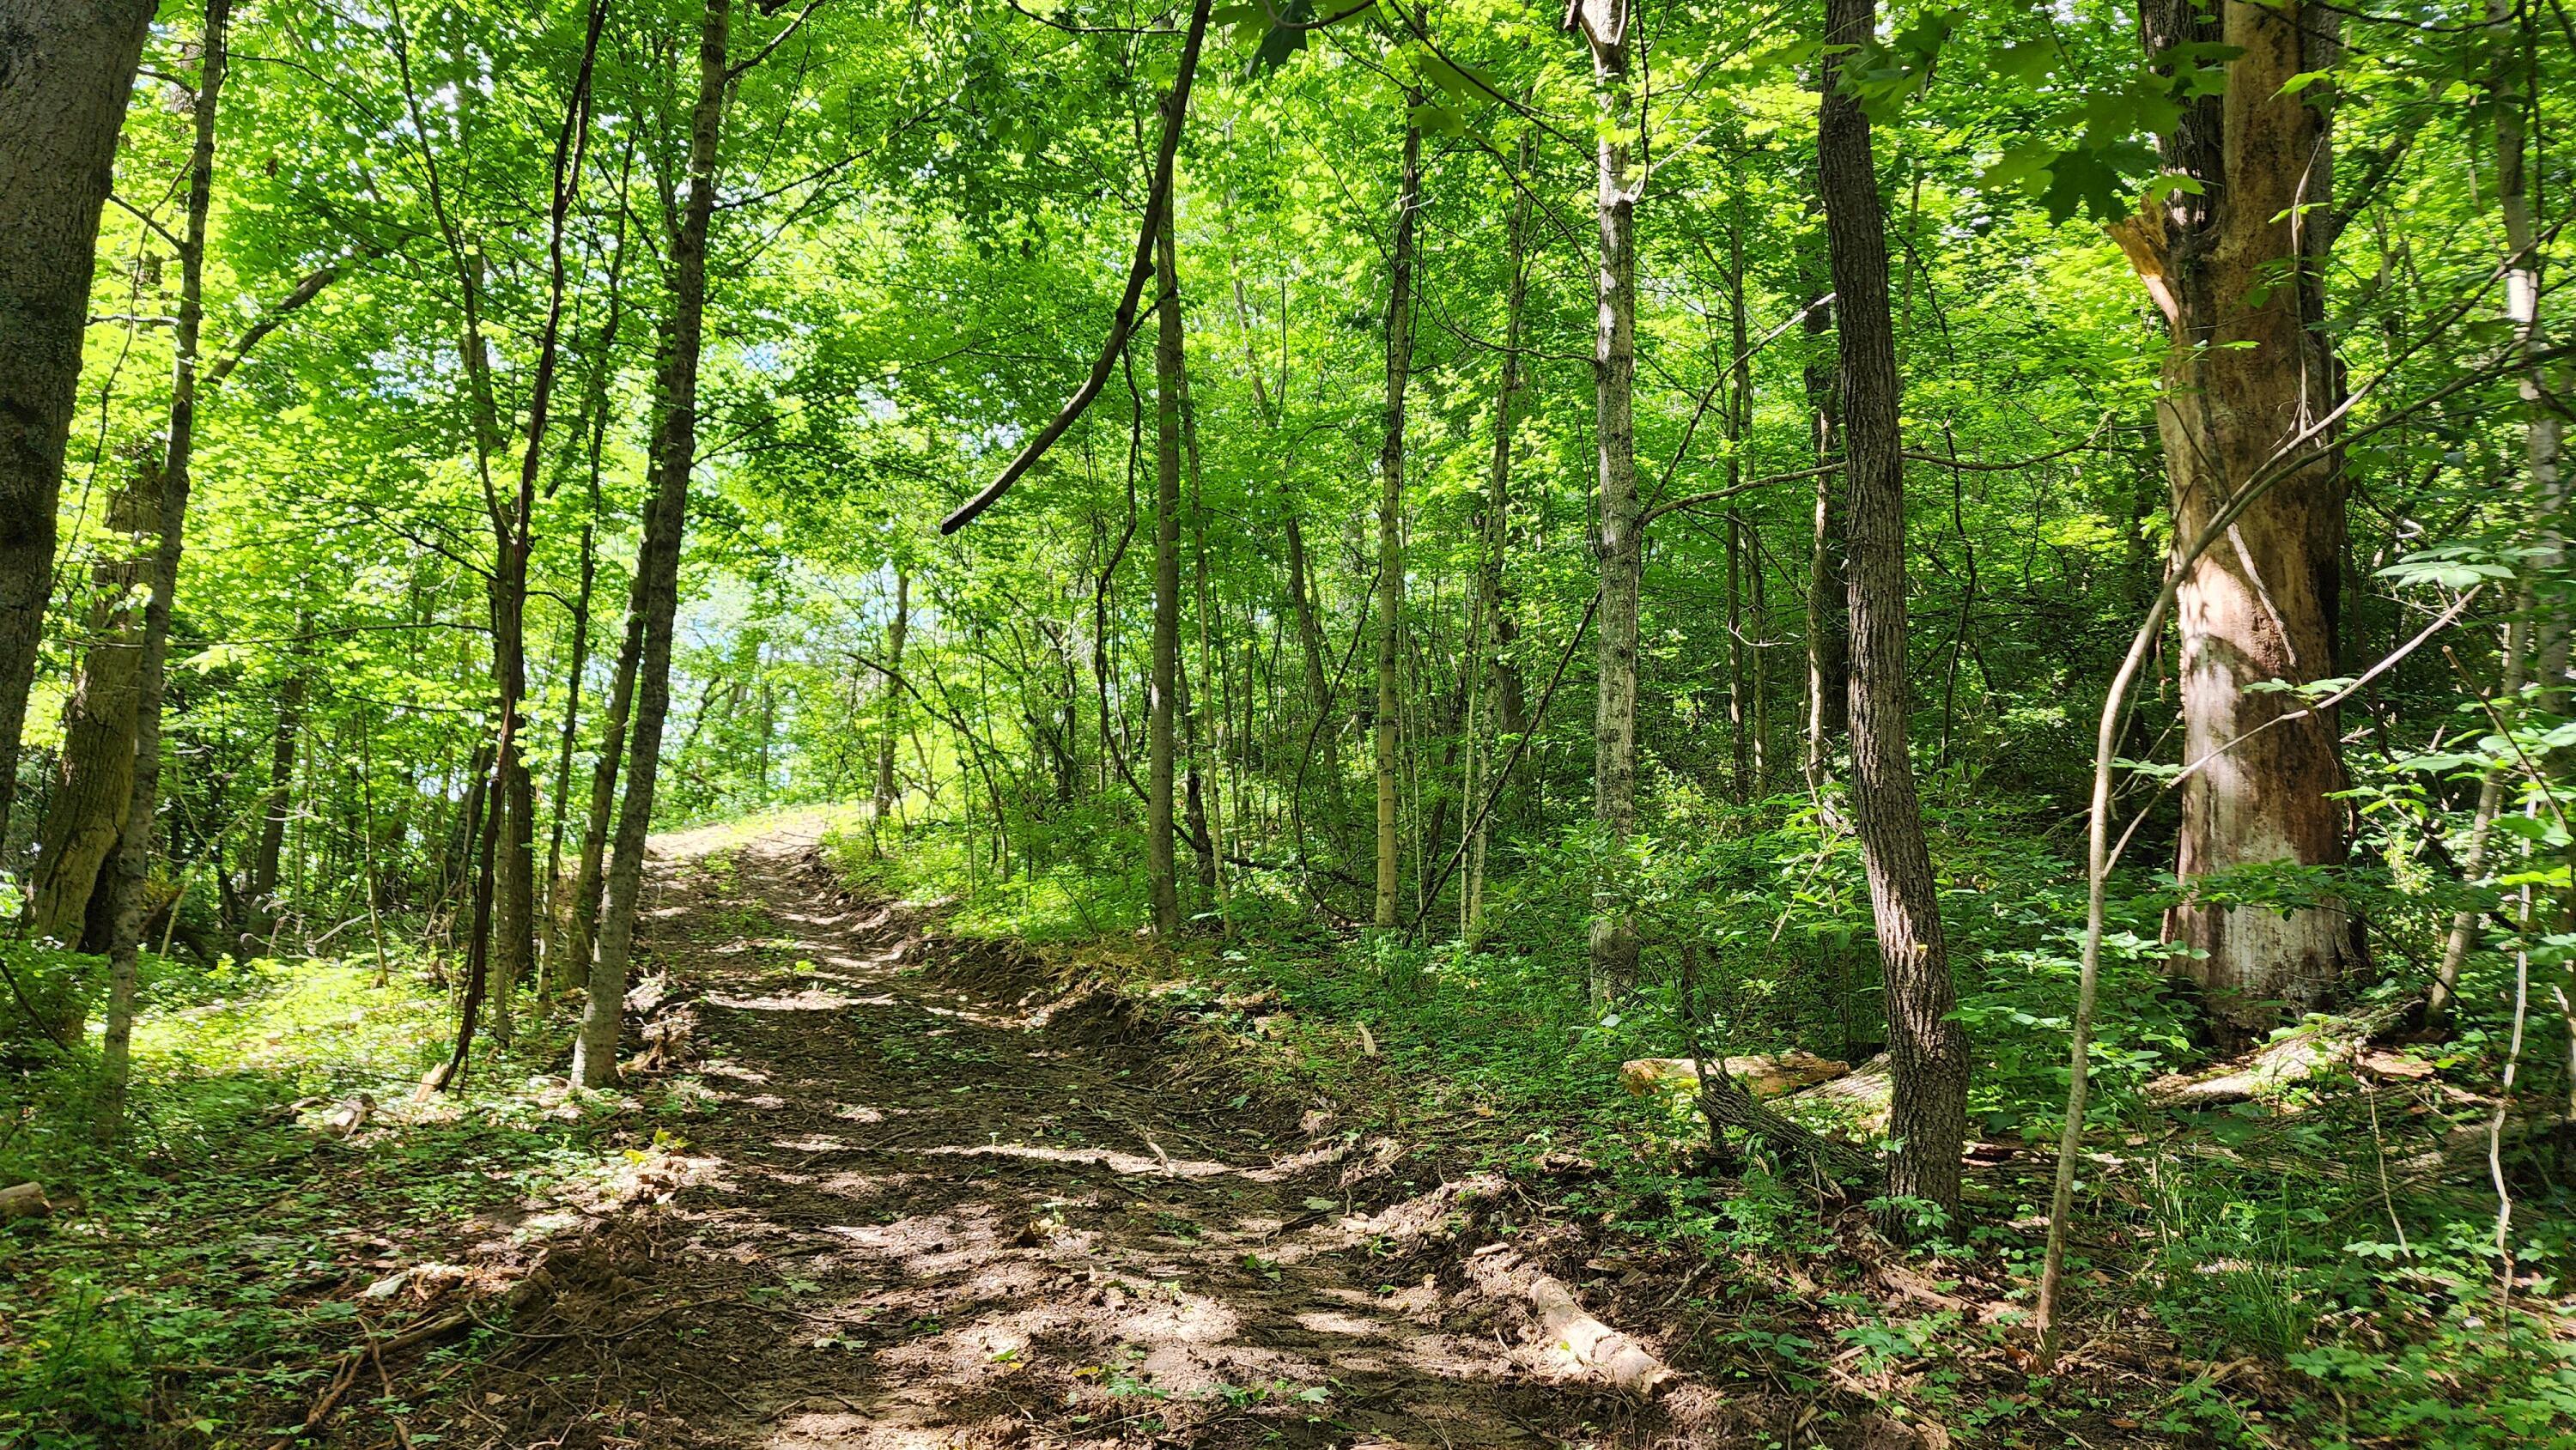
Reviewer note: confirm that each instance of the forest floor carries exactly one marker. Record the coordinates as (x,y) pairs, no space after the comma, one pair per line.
(938,1201)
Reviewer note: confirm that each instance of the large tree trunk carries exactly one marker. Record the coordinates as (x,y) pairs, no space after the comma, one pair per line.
(1161,871)
(131,897)
(2249,379)
(657,576)
(1927,1049)
(1619,541)
(1390,521)
(66,71)
(87,811)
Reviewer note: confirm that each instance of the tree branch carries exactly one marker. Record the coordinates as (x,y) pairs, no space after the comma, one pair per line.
(1123,324)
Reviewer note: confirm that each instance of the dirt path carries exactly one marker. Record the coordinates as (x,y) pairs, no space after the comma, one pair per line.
(923,1218)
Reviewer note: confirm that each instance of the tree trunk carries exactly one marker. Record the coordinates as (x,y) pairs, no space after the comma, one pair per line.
(564,961)
(552,909)
(1203,804)
(1828,629)
(1619,541)
(1161,871)
(1390,519)
(891,704)
(657,576)
(2249,376)
(1927,1049)
(130,897)
(268,849)
(515,962)
(583,933)
(1487,649)
(66,72)
(78,835)
(1743,661)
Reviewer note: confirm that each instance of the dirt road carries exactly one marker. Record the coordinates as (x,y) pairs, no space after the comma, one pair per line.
(922,1214)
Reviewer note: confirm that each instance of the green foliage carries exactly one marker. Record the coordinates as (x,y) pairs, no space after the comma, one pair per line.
(211,1259)
(924,218)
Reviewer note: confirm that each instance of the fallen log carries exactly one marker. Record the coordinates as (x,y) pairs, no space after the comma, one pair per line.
(1765,1075)
(2293,1057)
(1727,1104)
(26,1200)
(1575,1344)
(1856,1103)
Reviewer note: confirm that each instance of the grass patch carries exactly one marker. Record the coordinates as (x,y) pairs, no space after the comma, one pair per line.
(192,1282)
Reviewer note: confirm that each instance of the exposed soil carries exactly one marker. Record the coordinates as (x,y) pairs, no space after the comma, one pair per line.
(943,1200)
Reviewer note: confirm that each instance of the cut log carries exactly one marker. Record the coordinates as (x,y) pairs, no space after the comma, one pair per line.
(26,1200)
(1856,1103)
(1764,1075)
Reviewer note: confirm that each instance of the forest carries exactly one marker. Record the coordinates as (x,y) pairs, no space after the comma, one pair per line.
(1339,723)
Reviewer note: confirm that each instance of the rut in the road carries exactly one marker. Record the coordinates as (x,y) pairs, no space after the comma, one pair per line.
(927,1217)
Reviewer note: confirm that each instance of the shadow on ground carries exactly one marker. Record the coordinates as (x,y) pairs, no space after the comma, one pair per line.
(922,1213)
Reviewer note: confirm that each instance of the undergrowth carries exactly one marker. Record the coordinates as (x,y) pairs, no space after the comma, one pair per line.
(191,1284)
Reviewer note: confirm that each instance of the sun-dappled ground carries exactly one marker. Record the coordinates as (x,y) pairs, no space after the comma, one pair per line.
(927,1212)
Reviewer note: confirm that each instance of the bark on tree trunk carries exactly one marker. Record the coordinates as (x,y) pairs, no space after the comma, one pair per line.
(657,577)
(568,955)
(1390,522)
(1743,661)
(1619,540)
(1161,870)
(551,978)
(1203,807)
(66,72)
(2249,377)
(583,934)
(1927,1049)
(78,836)
(131,897)
(1488,649)
(260,882)
(1828,628)
(516,529)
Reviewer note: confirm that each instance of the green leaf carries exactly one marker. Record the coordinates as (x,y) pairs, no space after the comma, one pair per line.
(1284,40)
(1438,119)
(2027,61)
(2019,166)
(2081,181)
